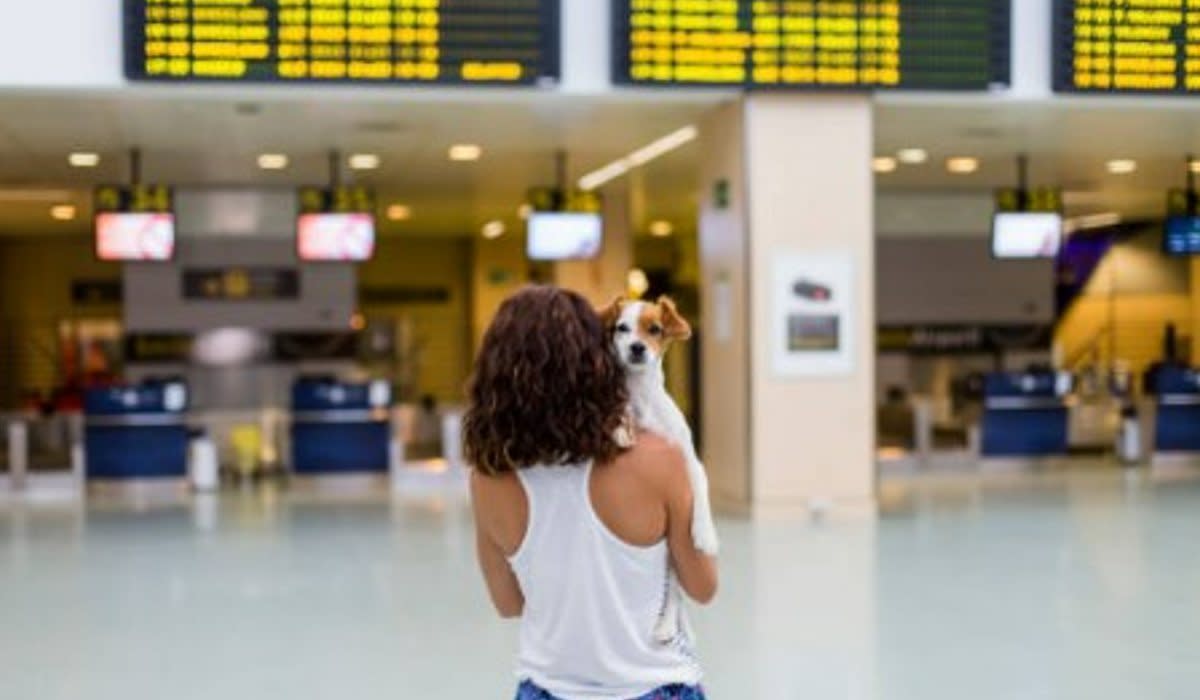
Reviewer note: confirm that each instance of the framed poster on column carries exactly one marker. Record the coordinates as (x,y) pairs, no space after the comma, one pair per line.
(813,314)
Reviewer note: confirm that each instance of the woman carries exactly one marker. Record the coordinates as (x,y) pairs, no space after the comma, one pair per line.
(574,535)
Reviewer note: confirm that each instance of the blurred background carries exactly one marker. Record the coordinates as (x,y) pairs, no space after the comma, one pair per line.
(938,255)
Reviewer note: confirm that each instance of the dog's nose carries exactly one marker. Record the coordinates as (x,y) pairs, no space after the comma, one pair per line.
(637,349)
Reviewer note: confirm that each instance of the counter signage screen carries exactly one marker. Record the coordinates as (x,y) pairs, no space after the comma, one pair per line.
(1026,235)
(902,44)
(564,235)
(335,237)
(1181,235)
(1126,46)
(405,41)
(130,237)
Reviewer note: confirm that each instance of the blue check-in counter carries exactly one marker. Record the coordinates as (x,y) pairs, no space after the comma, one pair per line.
(136,431)
(1025,414)
(340,427)
(1176,396)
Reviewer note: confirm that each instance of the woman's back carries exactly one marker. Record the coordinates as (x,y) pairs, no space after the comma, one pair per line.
(593,569)
(580,553)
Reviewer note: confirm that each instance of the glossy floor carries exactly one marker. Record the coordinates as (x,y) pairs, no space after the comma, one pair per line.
(1079,584)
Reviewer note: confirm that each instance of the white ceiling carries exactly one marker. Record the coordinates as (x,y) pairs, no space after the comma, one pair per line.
(192,138)
(215,141)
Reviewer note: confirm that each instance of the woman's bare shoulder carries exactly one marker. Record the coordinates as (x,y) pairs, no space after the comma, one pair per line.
(491,492)
(655,458)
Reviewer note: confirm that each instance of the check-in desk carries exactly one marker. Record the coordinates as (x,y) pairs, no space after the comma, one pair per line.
(340,427)
(1024,415)
(136,431)
(1175,398)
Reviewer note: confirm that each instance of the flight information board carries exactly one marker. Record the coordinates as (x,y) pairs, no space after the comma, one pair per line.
(373,41)
(906,44)
(1131,46)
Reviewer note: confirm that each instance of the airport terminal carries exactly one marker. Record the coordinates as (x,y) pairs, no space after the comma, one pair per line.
(938,258)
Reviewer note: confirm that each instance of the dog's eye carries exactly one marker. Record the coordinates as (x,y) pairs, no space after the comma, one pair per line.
(622,327)
(656,329)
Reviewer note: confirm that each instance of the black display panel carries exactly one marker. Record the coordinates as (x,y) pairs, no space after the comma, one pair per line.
(896,44)
(361,41)
(1126,46)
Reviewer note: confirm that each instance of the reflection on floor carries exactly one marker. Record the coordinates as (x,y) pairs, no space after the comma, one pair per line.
(1079,584)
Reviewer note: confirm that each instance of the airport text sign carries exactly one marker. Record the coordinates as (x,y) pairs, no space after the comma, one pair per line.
(868,44)
(368,41)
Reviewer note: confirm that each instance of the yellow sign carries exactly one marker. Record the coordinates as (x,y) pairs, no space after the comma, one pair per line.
(553,199)
(1038,199)
(339,200)
(135,198)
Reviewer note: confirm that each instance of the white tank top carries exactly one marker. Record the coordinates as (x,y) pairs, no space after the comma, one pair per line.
(591,599)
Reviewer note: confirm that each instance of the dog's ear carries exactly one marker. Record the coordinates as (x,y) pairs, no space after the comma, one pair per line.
(609,314)
(675,326)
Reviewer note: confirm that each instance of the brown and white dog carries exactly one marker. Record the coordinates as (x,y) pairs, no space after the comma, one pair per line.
(641,333)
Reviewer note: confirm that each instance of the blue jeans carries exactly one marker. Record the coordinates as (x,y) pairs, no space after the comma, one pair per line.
(529,691)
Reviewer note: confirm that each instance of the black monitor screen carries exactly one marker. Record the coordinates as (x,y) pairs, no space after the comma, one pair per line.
(414,41)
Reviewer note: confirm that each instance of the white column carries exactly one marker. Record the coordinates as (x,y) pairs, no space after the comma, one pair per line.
(787,177)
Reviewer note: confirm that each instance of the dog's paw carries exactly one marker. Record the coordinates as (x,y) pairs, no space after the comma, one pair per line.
(666,629)
(624,437)
(704,535)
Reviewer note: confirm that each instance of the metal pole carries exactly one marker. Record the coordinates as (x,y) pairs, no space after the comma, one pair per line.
(1022,182)
(335,169)
(1190,195)
(135,166)
(18,453)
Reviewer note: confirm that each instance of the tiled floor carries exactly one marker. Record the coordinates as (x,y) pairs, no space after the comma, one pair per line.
(1081,584)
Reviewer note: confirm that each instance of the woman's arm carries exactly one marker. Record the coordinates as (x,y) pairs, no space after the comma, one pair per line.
(502,584)
(697,571)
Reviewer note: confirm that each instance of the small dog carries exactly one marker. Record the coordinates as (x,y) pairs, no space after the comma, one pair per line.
(641,333)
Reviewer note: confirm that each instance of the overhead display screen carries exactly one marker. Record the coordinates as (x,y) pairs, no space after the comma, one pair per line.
(1181,235)
(371,41)
(1127,46)
(1026,234)
(564,235)
(335,237)
(904,44)
(123,236)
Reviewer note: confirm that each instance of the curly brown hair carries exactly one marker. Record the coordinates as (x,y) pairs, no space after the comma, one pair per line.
(547,388)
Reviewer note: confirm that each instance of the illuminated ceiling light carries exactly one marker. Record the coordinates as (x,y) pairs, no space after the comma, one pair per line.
(912,156)
(493,229)
(63,212)
(364,161)
(883,164)
(524,211)
(666,144)
(661,228)
(641,156)
(399,212)
(598,177)
(637,283)
(1122,166)
(272,161)
(357,322)
(463,152)
(962,165)
(1194,166)
(84,160)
